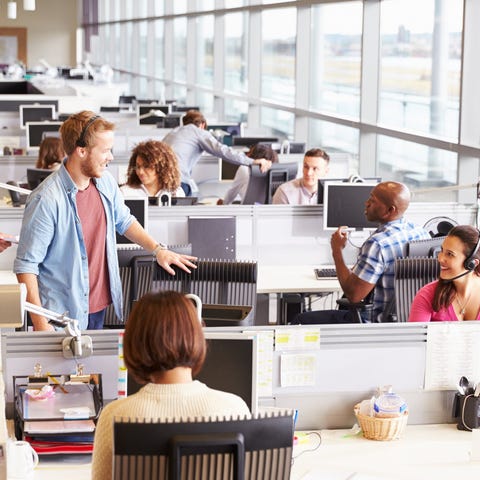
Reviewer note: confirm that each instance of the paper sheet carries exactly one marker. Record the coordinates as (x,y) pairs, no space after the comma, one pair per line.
(453,350)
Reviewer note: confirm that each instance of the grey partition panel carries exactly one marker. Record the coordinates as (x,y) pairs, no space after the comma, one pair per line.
(212,237)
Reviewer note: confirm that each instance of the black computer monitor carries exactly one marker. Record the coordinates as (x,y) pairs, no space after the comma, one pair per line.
(179,201)
(250,141)
(35,113)
(236,353)
(344,204)
(287,148)
(35,176)
(109,109)
(170,121)
(261,186)
(36,132)
(184,108)
(321,183)
(126,100)
(152,113)
(227,170)
(139,209)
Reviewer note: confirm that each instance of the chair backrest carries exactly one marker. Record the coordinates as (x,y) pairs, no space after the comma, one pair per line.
(262,186)
(216,282)
(126,256)
(258,448)
(411,274)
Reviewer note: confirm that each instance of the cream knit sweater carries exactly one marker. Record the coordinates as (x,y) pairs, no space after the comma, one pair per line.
(184,400)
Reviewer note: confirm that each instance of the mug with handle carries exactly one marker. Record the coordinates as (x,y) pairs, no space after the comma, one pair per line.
(21,460)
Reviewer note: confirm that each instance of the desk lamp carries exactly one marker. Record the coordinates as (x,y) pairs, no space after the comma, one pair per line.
(152,113)
(14,304)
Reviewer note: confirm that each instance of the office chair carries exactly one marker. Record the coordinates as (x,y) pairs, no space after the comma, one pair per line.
(126,257)
(411,274)
(258,448)
(362,311)
(216,282)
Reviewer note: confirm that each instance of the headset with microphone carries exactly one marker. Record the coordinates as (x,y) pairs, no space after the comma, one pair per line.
(469,263)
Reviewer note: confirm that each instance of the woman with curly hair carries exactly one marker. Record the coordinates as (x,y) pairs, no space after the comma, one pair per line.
(455,295)
(152,171)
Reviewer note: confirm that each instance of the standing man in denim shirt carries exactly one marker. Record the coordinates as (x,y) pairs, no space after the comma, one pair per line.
(66,254)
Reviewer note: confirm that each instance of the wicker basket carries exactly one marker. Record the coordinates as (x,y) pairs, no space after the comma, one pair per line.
(375,428)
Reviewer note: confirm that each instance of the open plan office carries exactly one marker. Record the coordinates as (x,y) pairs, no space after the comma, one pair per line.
(386,95)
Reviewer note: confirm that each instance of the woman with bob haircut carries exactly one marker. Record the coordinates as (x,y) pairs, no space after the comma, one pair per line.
(50,154)
(152,171)
(455,296)
(164,348)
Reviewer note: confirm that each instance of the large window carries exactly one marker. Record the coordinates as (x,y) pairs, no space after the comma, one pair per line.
(336,58)
(236,52)
(204,55)
(278,55)
(420,65)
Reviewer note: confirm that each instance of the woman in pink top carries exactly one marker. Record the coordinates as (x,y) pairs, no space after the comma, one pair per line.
(456,293)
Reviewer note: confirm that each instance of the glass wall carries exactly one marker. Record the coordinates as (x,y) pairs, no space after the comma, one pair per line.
(391,99)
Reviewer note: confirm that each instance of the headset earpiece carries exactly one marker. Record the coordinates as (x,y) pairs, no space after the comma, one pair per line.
(81,140)
(469,263)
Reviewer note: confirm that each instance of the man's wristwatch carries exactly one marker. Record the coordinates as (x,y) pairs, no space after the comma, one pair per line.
(159,246)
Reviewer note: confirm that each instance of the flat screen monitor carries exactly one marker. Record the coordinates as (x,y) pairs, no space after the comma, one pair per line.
(139,209)
(288,147)
(225,132)
(126,100)
(35,113)
(151,114)
(170,121)
(344,204)
(236,353)
(36,132)
(182,201)
(227,170)
(250,141)
(35,176)
(321,183)
(185,108)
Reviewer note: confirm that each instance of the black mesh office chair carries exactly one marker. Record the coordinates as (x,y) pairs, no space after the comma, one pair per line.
(411,274)
(258,448)
(217,282)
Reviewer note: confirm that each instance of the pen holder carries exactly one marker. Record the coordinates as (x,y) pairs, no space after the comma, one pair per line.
(466,411)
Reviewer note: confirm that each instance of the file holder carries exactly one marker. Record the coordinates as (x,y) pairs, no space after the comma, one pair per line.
(73,393)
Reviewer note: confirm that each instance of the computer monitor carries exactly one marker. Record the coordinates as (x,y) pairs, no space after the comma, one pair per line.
(226,170)
(321,183)
(35,176)
(250,141)
(184,108)
(226,131)
(424,248)
(344,204)
(262,186)
(139,209)
(150,114)
(35,113)
(287,147)
(36,131)
(182,201)
(230,366)
(126,100)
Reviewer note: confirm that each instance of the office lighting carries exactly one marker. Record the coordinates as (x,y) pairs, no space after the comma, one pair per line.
(12,10)
(29,5)
(152,113)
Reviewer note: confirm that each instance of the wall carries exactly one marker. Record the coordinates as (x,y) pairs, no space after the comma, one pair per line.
(51,30)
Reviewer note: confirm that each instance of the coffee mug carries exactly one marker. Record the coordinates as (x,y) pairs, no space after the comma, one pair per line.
(21,460)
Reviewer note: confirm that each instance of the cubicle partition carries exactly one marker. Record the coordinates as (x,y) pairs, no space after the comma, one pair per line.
(322,371)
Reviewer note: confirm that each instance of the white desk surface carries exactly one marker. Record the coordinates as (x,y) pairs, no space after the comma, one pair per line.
(7,277)
(425,452)
(292,279)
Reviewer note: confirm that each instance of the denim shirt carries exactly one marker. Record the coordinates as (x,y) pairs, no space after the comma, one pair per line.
(51,244)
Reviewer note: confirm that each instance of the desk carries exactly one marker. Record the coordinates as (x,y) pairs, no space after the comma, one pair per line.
(276,280)
(425,452)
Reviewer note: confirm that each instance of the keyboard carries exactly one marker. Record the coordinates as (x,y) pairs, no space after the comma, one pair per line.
(325,272)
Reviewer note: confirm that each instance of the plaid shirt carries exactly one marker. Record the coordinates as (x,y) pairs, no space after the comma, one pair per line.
(377,255)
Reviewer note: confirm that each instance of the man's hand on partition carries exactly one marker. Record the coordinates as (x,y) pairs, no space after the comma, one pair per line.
(165,258)
(265,164)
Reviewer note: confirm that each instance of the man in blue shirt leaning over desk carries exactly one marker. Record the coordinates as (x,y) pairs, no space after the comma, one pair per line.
(66,254)
(373,269)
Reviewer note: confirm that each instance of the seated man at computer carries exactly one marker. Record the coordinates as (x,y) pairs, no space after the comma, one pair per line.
(303,191)
(373,270)
(191,139)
